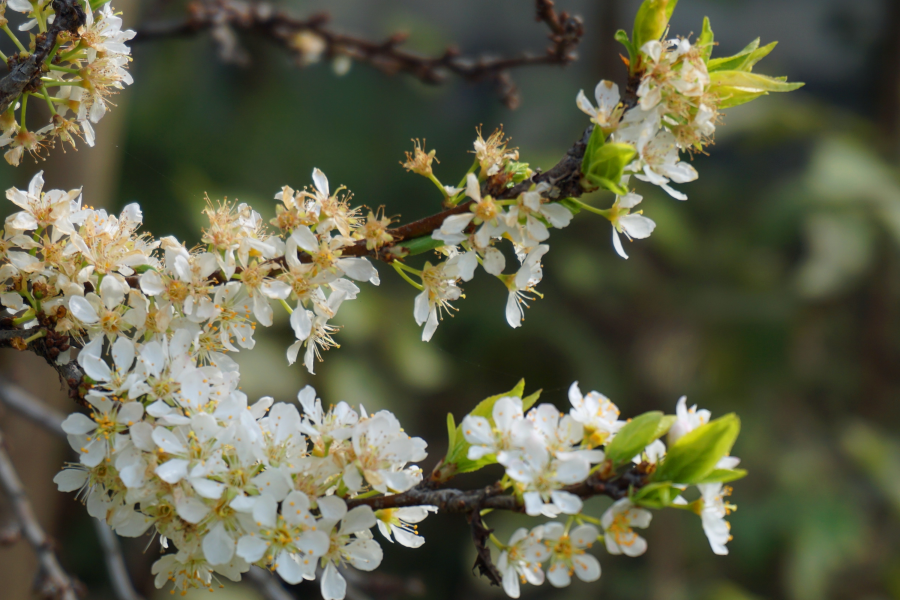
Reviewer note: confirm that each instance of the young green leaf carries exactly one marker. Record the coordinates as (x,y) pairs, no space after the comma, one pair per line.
(693,457)
(603,163)
(724,475)
(734,61)
(655,495)
(651,21)
(622,37)
(706,41)
(457,459)
(636,435)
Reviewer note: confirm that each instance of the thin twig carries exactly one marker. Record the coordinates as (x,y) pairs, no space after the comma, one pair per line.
(55,582)
(115,562)
(260,18)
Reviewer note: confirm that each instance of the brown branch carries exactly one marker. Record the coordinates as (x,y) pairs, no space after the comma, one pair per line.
(222,16)
(55,582)
(69,17)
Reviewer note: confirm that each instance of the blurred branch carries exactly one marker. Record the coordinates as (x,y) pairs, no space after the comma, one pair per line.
(115,562)
(50,419)
(55,583)
(69,17)
(309,39)
(31,408)
(266,583)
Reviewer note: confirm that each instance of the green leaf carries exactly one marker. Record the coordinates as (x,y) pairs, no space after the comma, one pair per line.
(451,430)
(706,40)
(143,268)
(529,401)
(757,55)
(622,38)
(693,457)
(651,21)
(458,449)
(752,82)
(603,163)
(732,97)
(740,87)
(420,245)
(485,408)
(734,61)
(636,435)
(656,495)
(724,475)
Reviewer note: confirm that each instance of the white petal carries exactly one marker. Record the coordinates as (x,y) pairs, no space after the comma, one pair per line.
(83,310)
(617,244)
(321,182)
(251,548)
(334,586)
(218,546)
(305,238)
(587,568)
(78,424)
(172,471)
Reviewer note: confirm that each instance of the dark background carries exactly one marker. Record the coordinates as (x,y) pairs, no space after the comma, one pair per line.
(773,292)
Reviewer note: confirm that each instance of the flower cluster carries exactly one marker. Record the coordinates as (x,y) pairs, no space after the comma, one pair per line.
(545,452)
(99,277)
(83,71)
(176,448)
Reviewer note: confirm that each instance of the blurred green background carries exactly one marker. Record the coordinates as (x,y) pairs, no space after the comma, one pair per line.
(774,292)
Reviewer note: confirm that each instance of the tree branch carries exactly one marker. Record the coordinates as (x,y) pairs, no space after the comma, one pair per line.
(56,582)
(69,17)
(222,16)
(30,407)
(115,562)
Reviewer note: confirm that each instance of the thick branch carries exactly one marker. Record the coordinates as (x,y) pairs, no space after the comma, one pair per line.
(55,582)
(282,29)
(49,348)
(69,17)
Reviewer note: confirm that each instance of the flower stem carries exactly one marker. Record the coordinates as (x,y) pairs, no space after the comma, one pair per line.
(27,316)
(14,38)
(64,69)
(286,306)
(600,211)
(49,102)
(407,277)
(37,336)
(22,113)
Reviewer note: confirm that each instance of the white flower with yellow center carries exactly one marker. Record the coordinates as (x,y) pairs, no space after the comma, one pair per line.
(618,522)
(567,553)
(402,524)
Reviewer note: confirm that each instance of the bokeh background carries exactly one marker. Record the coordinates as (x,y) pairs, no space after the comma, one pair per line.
(774,292)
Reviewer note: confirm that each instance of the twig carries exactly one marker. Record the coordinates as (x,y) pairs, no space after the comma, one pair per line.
(69,17)
(115,562)
(56,583)
(268,584)
(260,18)
(31,408)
